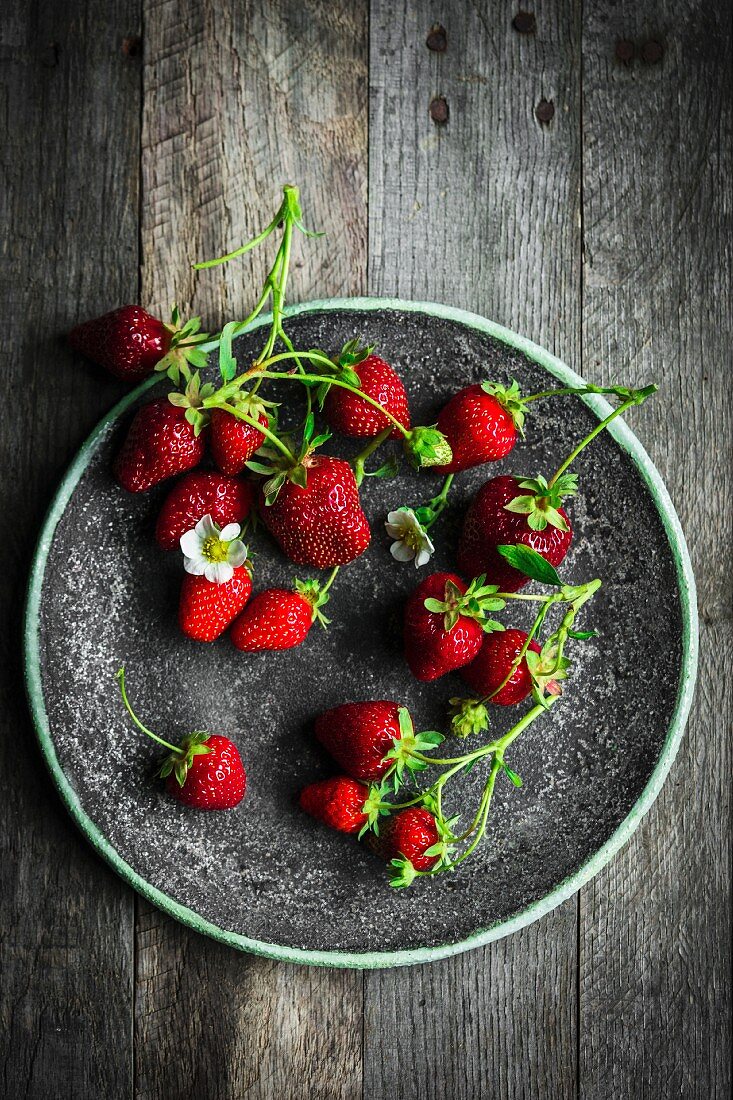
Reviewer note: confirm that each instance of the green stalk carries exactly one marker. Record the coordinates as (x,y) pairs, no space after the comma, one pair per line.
(136,720)
(275,440)
(358,462)
(636,398)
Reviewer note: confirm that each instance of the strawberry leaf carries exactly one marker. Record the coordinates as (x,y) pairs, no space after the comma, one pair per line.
(532,564)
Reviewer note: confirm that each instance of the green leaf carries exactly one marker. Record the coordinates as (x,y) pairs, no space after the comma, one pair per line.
(435,605)
(582,635)
(258,467)
(516,779)
(532,564)
(390,468)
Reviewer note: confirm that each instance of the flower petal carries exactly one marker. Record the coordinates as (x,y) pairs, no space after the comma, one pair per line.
(190,544)
(230,532)
(422,557)
(237,553)
(195,566)
(218,572)
(206,527)
(401,552)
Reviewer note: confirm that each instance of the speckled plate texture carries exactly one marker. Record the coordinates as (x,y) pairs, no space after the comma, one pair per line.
(265,877)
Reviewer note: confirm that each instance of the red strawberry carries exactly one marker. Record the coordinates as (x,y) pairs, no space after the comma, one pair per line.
(358,735)
(279,618)
(337,802)
(234,441)
(481,424)
(408,835)
(127,342)
(321,523)
(214,780)
(225,499)
(205,771)
(441,632)
(349,414)
(160,443)
(493,664)
(489,523)
(206,609)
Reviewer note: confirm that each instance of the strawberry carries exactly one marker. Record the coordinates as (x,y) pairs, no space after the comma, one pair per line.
(501,514)
(359,735)
(316,516)
(350,415)
(225,499)
(205,771)
(445,623)
(408,835)
(127,342)
(481,423)
(206,609)
(337,802)
(212,780)
(494,664)
(160,443)
(280,618)
(233,441)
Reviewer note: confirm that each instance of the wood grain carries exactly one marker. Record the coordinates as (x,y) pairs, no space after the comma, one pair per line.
(239,99)
(482,212)
(656,925)
(70,104)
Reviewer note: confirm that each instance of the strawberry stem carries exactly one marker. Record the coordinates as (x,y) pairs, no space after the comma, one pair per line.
(360,459)
(617,391)
(437,504)
(636,397)
(331,579)
(209,403)
(144,729)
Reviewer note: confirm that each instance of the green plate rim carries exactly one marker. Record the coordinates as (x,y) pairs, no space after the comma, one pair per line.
(376,959)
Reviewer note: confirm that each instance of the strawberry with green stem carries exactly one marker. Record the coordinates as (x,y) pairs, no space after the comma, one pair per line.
(374,740)
(280,618)
(205,771)
(164,439)
(509,510)
(130,343)
(515,667)
(444,624)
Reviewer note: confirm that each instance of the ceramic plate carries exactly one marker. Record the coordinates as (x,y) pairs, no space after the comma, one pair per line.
(264,877)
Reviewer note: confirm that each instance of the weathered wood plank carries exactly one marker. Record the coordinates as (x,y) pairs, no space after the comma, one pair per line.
(70,157)
(481,212)
(658,137)
(239,99)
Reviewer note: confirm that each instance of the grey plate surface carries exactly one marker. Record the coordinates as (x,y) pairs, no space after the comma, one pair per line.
(265,876)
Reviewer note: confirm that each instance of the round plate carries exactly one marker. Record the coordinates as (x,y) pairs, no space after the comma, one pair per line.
(265,877)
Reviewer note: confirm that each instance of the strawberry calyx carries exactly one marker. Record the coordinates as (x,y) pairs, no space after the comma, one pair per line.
(192,400)
(467,716)
(317,595)
(426,446)
(288,465)
(179,761)
(474,603)
(184,351)
(403,755)
(511,400)
(374,807)
(543,500)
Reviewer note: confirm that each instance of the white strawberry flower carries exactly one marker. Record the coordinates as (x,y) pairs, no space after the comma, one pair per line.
(212,551)
(412,539)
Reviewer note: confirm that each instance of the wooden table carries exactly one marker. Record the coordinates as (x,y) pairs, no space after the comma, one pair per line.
(580,193)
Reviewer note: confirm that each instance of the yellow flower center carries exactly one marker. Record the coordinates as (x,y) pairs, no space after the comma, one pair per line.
(214,550)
